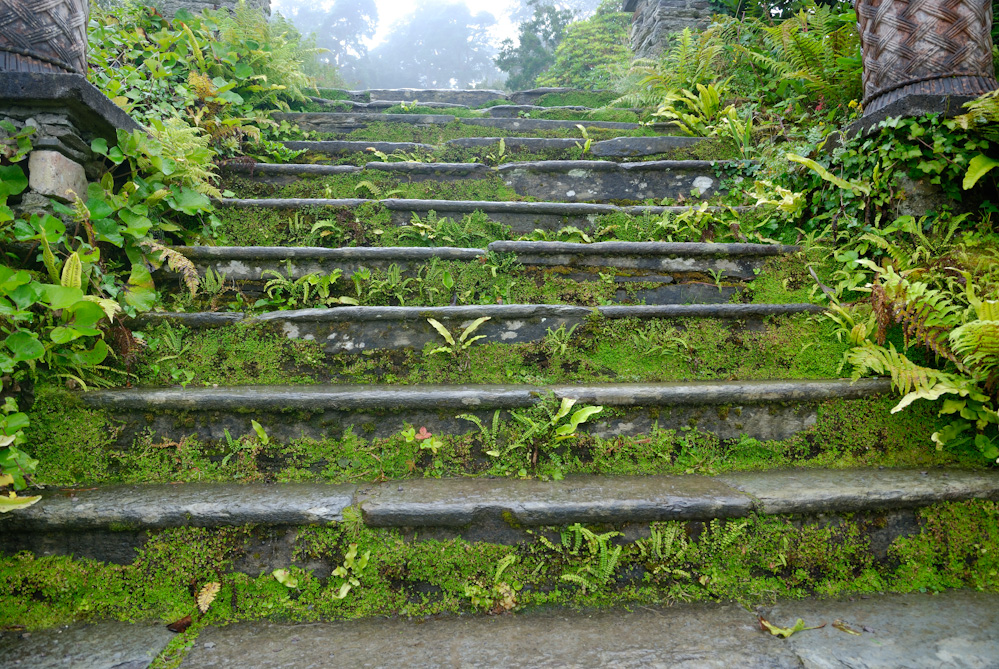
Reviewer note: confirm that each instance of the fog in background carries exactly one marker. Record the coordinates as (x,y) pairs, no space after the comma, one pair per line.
(416,43)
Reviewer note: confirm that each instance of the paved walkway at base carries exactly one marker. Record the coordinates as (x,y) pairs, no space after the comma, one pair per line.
(956,629)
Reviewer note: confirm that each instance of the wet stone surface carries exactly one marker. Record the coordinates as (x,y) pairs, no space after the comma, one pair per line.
(86,646)
(956,629)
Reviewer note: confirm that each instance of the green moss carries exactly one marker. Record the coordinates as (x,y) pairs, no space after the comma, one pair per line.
(440,134)
(577,99)
(755,560)
(73,444)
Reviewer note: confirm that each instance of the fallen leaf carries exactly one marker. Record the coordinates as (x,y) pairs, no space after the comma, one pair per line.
(284,577)
(785,632)
(180,625)
(843,627)
(207,596)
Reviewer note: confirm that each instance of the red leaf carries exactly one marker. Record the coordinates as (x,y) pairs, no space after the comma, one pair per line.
(180,625)
(423,434)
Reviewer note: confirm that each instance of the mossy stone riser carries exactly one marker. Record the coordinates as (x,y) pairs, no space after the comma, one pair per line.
(522,217)
(548,180)
(338,123)
(669,264)
(359,329)
(109,523)
(620,147)
(759,409)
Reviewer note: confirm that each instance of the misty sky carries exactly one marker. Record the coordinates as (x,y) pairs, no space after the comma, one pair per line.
(393,11)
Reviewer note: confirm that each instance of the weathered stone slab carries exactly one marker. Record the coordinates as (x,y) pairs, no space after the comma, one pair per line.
(760,409)
(738,261)
(190,505)
(515,111)
(52,174)
(522,217)
(532,144)
(583,499)
(626,147)
(90,110)
(466,97)
(821,491)
(358,329)
(334,148)
(101,645)
(347,122)
(283,175)
(532,124)
(598,180)
(917,631)
(416,172)
(248,263)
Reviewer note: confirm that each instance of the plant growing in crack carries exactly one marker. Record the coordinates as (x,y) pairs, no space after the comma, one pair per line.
(499,596)
(551,426)
(490,435)
(598,555)
(461,344)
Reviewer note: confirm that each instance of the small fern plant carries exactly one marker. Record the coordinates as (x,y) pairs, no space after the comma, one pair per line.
(962,335)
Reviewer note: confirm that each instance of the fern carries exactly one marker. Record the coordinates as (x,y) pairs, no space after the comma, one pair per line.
(176,262)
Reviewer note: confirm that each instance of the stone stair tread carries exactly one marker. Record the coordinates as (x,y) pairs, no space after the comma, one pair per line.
(920,631)
(460,502)
(484,396)
(339,121)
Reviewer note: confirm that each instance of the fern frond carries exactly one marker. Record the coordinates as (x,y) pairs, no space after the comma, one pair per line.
(177,263)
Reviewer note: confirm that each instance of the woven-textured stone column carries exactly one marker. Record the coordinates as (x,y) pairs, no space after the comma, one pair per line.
(924,48)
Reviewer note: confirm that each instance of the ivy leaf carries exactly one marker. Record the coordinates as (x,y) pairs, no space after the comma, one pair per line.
(140,291)
(979,166)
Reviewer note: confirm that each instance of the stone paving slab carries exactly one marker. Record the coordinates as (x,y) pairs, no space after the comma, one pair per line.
(584,499)
(105,645)
(957,629)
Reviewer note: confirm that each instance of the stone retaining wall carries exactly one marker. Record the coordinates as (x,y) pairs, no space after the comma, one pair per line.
(655,20)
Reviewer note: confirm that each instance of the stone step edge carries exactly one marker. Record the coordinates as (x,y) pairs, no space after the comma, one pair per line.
(469,501)
(468,206)
(686,249)
(277,399)
(346,120)
(491,93)
(608,148)
(211,319)
(472,169)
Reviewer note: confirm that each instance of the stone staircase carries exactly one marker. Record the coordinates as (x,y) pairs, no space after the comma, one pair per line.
(650,281)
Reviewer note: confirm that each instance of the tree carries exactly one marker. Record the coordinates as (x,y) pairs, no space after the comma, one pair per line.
(538,39)
(439,45)
(594,53)
(341,30)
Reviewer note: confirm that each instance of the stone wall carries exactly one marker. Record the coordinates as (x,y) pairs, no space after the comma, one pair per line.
(654,20)
(171,7)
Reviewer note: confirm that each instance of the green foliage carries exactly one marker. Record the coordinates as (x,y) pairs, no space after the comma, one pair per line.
(594,53)
(537,41)
(220,71)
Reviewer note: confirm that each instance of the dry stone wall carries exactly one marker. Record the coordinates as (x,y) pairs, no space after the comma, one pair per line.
(655,20)
(171,7)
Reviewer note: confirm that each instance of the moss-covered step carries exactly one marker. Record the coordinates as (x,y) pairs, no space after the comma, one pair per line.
(345,122)
(664,262)
(549,180)
(109,523)
(468,97)
(549,96)
(360,329)
(620,147)
(376,106)
(759,409)
(522,217)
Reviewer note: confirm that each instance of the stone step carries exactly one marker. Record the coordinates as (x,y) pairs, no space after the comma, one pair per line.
(522,217)
(499,111)
(108,522)
(919,631)
(380,105)
(549,180)
(760,409)
(620,147)
(361,329)
(345,122)
(466,97)
(664,262)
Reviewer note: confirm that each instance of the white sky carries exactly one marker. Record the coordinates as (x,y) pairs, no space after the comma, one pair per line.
(393,11)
